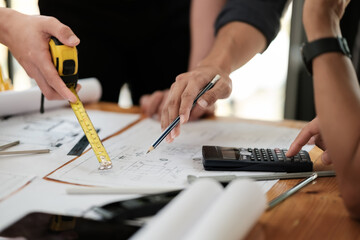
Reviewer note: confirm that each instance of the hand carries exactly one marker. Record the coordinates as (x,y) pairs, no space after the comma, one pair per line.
(310,134)
(152,104)
(184,91)
(321,18)
(28,40)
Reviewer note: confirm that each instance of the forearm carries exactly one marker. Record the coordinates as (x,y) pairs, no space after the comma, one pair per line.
(236,43)
(337,100)
(6,16)
(202,20)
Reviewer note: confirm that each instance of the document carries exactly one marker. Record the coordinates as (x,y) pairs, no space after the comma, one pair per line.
(169,164)
(57,130)
(207,211)
(11,182)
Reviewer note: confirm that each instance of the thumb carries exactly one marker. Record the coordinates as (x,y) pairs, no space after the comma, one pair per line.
(62,32)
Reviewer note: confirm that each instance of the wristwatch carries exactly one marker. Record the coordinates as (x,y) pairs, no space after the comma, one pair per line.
(310,50)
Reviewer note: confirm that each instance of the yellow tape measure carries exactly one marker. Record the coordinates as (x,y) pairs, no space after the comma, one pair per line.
(66,62)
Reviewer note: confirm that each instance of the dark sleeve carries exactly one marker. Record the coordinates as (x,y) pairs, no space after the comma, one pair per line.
(262,14)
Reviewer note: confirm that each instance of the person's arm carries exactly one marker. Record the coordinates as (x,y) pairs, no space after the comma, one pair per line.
(27,37)
(335,84)
(202,31)
(203,14)
(337,99)
(244,28)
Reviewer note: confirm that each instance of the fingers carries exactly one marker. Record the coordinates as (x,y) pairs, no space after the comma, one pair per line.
(220,90)
(62,32)
(53,79)
(45,88)
(194,84)
(325,158)
(183,93)
(150,104)
(310,130)
(198,112)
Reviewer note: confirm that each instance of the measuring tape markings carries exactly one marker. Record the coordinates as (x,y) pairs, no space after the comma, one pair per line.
(63,55)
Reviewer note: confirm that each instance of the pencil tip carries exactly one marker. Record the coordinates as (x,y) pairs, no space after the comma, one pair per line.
(150,149)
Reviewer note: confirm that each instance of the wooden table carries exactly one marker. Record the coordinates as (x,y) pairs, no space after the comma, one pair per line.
(315,212)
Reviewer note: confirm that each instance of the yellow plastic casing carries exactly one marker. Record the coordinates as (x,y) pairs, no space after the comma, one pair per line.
(62,54)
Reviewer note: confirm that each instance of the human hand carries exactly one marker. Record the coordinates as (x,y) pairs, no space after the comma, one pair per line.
(28,40)
(152,104)
(321,18)
(310,134)
(184,91)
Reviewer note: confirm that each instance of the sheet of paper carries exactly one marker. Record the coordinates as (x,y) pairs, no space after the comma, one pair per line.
(57,130)
(169,164)
(50,197)
(11,182)
(19,102)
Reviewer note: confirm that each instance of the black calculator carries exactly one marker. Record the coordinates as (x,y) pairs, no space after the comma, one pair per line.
(218,158)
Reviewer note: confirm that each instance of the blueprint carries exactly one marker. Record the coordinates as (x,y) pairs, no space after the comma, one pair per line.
(169,164)
(57,130)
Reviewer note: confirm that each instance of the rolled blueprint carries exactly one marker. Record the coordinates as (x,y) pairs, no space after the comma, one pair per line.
(19,102)
(176,218)
(207,211)
(233,214)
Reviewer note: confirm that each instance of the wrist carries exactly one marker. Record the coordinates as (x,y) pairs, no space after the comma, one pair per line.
(219,63)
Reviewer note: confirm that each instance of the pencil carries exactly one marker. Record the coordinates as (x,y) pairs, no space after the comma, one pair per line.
(177,120)
(263,177)
(291,191)
(2,147)
(25,152)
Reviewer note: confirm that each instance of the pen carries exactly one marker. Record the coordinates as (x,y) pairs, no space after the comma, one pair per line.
(263,177)
(291,191)
(177,120)
(8,145)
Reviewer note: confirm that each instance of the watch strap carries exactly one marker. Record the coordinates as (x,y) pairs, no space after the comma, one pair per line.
(315,48)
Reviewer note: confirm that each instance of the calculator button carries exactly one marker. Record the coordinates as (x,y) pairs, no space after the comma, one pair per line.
(245,152)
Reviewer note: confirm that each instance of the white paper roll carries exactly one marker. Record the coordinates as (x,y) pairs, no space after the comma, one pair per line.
(206,211)
(18,102)
(233,214)
(175,219)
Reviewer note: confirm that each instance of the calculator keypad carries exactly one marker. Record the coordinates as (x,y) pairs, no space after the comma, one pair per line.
(270,155)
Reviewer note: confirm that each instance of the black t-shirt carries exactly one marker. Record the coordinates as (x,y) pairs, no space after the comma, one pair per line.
(263,14)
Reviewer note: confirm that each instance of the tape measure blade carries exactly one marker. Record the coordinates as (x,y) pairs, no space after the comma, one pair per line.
(90,132)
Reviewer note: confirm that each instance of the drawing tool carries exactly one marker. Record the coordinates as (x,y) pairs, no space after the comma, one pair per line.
(25,152)
(291,191)
(5,146)
(118,190)
(66,62)
(177,120)
(264,177)
(80,146)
